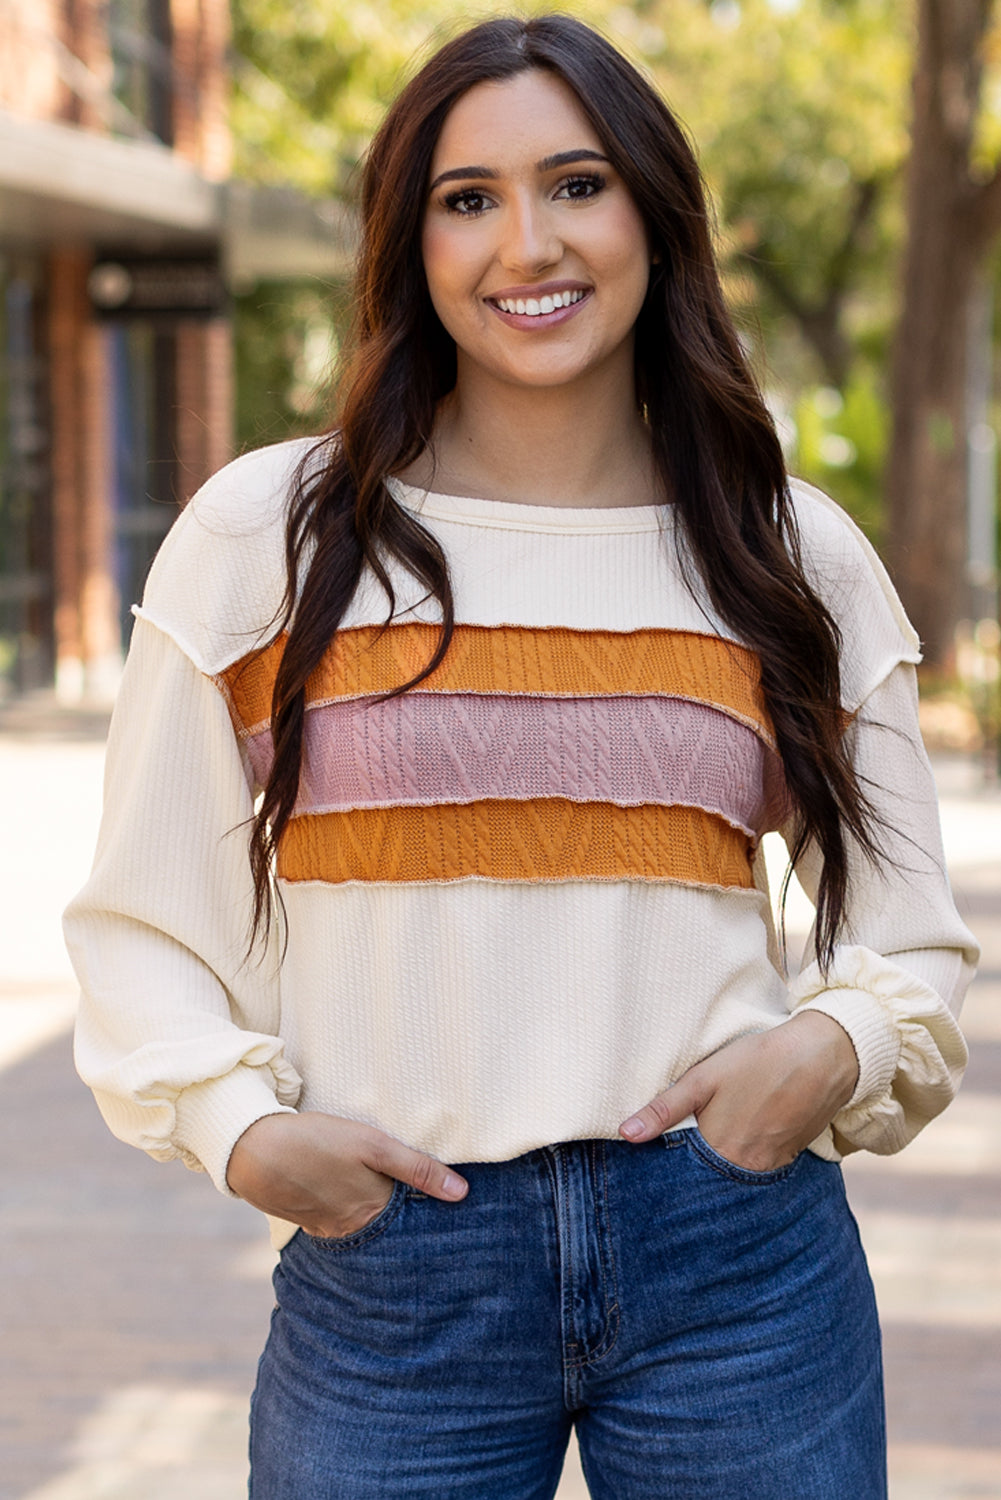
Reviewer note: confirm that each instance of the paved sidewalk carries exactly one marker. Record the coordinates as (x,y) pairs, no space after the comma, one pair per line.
(135,1299)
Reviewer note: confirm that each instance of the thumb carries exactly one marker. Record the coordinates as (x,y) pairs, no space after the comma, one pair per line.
(394,1159)
(690,1094)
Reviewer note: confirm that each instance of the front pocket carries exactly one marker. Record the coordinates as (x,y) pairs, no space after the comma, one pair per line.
(369,1231)
(706,1153)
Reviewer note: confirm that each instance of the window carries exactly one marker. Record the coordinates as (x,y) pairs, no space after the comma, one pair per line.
(142,80)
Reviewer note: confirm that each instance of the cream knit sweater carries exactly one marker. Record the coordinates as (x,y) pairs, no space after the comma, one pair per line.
(522,898)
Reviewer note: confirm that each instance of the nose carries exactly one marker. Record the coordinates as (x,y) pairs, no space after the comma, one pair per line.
(531,243)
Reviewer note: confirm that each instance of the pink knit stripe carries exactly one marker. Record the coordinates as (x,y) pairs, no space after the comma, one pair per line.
(452,748)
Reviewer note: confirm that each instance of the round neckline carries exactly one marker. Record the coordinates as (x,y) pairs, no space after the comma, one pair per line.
(515,515)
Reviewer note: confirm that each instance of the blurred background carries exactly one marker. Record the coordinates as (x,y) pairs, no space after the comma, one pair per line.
(178,181)
(177,207)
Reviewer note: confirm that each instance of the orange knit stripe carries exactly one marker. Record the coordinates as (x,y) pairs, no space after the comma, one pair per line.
(553,662)
(539,839)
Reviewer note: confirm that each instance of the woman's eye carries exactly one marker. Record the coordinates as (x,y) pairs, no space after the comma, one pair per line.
(581,188)
(466,202)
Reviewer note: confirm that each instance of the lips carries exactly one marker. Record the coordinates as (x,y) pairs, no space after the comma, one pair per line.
(538,306)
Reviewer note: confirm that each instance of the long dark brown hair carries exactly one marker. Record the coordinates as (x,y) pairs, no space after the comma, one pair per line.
(715,446)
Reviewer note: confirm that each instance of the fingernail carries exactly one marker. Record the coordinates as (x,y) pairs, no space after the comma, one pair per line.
(632,1128)
(453,1186)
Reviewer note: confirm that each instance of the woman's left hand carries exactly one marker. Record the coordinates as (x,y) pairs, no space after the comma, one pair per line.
(761,1099)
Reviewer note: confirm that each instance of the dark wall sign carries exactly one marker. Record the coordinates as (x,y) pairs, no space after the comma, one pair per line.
(157,288)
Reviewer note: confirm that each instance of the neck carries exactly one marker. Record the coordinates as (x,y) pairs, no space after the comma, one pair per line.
(578,445)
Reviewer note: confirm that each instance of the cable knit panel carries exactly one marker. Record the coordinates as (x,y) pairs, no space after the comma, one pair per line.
(554,661)
(423,749)
(537,839)
(516,900)
(525,756)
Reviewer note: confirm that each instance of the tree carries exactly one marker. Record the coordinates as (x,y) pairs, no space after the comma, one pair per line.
(312,80)
(954,217)
(795,106)
(797,110)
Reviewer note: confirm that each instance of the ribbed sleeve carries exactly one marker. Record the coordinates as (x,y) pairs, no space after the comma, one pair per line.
(843,567)
(158,935)
(897,981)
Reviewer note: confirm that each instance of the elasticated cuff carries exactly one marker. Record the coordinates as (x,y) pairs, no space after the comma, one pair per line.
(873,1033)
(212,1116)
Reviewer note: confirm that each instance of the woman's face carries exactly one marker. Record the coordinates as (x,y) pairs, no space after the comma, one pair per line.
(536,256)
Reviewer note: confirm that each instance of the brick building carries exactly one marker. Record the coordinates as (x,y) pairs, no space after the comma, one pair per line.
(120,234)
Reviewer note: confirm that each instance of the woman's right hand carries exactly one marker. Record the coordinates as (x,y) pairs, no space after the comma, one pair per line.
(329,1175)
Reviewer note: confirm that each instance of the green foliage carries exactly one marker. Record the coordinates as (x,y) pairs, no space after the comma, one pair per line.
(799,109)
(839,443)
(312,80)
(287,338)
(987,137)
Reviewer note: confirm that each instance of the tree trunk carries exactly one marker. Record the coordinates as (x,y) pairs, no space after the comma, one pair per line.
(951,222)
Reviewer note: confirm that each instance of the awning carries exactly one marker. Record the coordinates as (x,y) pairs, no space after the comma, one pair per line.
(61,185)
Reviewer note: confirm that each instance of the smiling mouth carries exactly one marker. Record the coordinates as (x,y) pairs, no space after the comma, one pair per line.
(538,307)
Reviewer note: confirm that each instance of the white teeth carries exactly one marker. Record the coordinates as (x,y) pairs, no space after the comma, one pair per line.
(533,307)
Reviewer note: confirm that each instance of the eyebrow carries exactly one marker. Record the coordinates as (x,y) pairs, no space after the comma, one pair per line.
(547,164)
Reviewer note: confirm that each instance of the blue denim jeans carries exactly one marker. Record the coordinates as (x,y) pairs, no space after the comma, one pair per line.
(711,1333)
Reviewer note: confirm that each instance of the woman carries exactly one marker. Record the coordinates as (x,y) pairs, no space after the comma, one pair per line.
(542,644)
